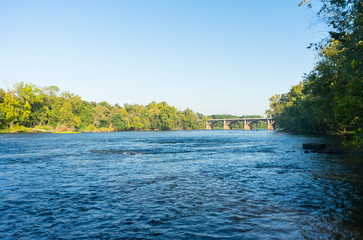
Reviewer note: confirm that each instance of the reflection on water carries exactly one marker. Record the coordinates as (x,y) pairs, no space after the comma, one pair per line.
(181,184)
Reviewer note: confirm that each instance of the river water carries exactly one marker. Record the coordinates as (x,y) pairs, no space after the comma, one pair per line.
(217,184)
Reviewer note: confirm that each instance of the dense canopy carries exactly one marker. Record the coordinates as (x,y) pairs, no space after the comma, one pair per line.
(330,97)
(28,106)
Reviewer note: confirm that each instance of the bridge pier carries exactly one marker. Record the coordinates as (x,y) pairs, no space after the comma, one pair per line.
(247,125)
(226,125)
(270,124)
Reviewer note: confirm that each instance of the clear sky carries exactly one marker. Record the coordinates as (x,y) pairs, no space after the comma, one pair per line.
(212,56)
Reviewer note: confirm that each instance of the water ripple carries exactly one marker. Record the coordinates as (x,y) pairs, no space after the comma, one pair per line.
(182,184)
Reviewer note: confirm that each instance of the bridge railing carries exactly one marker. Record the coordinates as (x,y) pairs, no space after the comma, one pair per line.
(246,121)
(239,119)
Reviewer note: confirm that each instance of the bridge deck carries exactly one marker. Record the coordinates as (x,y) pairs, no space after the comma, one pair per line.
(239,119)
(227,122)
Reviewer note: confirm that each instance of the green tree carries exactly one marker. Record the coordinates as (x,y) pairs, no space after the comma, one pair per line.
(30,96)
(120,120)
(66,116)
(29,105)
(136,124)
(190,120)
(331,96)
(50,91)
(153,115)
(168,116)
(13,111)
(101,116)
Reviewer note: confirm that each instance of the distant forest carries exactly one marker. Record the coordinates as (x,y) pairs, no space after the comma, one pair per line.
(28,106)
(330,97)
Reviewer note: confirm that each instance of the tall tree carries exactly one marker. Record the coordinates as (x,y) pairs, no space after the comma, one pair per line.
(331,97)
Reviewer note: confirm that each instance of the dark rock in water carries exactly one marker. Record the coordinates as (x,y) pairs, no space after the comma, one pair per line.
(314,146)
(306,151)
(321,148)
(331,151)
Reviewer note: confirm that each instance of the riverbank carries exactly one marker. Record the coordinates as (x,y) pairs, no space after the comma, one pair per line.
(347,138)
(64,129)
(47,129)
(34,130)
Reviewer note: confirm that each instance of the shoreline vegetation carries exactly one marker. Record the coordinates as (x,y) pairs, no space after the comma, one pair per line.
(329,100)
(28,108)
(37,130)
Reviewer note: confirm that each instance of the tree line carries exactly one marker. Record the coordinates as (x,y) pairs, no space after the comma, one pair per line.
(330,97)
(28,106)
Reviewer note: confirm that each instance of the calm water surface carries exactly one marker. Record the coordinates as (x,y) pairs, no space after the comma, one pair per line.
(176,185)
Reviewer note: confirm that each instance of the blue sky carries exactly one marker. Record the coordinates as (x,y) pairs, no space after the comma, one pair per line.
(212,56)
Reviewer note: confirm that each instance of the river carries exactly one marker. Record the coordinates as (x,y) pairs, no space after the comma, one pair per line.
(217,184)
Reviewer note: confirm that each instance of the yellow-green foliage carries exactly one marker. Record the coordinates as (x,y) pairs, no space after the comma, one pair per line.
(330,98)
(44,109)
(90,128)
(43,127)
(20,128)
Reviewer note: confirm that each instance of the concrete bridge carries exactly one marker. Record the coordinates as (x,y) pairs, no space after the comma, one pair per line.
(247,122)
